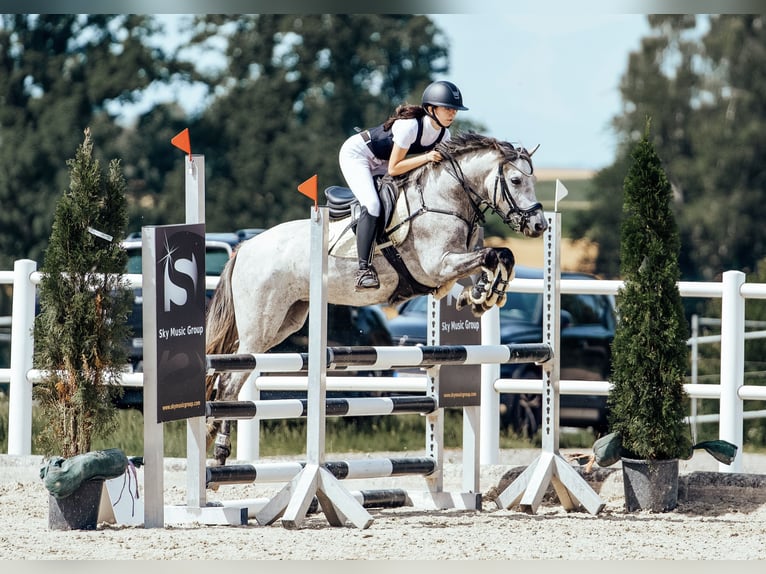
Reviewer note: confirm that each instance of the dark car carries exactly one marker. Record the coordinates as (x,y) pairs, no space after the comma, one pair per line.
(587,330)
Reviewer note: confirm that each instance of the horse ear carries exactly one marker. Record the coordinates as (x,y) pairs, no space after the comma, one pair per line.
(534,150)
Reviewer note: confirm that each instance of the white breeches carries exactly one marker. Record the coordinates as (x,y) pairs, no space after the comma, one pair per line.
(358,166)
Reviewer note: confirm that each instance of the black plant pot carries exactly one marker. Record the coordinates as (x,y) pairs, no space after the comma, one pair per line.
(79,510)
(650,484)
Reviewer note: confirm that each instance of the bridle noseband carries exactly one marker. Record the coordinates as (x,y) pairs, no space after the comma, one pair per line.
(523,214)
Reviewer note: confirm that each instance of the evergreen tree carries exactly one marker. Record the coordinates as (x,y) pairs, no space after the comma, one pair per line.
(649,356)
(84,302)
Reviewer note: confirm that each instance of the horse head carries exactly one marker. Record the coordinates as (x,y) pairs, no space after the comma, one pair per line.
(502,180)
(514,197)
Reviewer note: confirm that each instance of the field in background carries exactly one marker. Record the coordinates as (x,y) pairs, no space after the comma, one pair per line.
(576,255)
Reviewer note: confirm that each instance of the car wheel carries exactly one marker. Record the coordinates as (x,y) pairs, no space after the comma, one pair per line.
(521,412)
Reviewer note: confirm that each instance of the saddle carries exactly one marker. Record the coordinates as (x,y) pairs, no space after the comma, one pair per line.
(342,202)
(392,229)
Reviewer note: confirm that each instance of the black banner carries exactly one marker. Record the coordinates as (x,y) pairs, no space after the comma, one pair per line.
(459,385)
(180,296)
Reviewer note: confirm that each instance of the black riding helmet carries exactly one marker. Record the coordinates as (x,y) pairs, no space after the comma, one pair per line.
(445,94)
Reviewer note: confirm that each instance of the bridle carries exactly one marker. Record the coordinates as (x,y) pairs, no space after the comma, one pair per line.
(523,215)
(515,216)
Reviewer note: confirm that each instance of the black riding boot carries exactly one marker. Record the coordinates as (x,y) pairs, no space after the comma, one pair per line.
(366,277)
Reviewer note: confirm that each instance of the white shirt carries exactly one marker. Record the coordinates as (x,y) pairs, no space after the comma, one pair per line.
(405,132)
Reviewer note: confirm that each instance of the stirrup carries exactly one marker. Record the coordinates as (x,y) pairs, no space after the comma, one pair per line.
(367,279)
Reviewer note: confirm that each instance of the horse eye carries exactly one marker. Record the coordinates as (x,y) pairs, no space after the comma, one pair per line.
(516,180)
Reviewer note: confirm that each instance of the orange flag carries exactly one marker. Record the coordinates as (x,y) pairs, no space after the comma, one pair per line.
(309,188)
(181,141)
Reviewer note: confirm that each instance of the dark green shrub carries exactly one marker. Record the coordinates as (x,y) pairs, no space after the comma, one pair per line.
(649,354)
(81,328)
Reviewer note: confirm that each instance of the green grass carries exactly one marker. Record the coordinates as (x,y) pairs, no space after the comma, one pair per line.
(394,433)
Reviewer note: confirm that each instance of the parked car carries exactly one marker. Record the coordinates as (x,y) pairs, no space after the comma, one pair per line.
(347,326)
(587,330)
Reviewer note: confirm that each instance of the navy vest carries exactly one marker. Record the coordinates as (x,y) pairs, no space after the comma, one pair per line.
(381,142)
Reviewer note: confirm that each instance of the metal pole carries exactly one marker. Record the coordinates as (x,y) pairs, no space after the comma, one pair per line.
(695,361)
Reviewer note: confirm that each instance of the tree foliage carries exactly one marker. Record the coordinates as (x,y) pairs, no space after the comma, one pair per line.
(84,302)
(295,86)
(283,92)
(647,402)
(705,90)
(60,74)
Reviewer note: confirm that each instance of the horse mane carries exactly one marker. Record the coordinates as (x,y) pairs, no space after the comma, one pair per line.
(465,142)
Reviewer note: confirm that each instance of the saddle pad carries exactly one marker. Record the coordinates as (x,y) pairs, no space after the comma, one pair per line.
(342,240)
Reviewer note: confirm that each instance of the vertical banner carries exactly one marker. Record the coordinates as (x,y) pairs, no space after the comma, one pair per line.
(459,385)
(180,320)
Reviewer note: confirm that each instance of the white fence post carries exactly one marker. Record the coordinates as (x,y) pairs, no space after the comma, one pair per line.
(22,350)
(732,365)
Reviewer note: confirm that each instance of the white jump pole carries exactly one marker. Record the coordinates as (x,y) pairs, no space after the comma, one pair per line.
(550,467)
(154,444)
(489,445)
(293,501)
(196,428)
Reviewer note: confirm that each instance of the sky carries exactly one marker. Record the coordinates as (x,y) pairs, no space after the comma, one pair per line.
(544,79)
(539,78)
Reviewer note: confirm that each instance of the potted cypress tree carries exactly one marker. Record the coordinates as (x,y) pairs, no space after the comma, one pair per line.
(647,403)
(79,339)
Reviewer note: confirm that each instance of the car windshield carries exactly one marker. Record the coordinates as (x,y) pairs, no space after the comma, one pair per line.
(134,261)
(215,259)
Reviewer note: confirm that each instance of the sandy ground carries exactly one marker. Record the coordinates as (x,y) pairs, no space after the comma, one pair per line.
(722,519)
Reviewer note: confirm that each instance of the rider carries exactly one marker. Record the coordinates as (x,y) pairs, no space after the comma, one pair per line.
(409,130)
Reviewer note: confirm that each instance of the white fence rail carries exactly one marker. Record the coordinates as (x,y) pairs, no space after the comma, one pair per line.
(731,391)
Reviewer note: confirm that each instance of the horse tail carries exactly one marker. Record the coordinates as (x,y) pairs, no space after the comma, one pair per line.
(220,324)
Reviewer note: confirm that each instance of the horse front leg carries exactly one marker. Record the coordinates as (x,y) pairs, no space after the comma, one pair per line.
(495,273)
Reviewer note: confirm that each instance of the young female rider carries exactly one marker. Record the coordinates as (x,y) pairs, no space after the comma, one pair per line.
(405,141)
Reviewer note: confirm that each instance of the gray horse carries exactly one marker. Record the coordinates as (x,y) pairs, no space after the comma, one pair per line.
(427,244)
